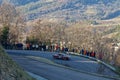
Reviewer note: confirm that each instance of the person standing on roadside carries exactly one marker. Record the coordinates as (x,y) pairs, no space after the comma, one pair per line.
(82,51)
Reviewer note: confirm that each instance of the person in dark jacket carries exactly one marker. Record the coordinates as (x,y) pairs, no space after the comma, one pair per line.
(82,51)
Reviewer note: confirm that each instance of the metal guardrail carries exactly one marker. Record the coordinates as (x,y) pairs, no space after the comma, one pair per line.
(95,59)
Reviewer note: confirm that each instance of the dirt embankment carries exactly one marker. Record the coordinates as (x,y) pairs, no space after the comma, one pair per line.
(9,70)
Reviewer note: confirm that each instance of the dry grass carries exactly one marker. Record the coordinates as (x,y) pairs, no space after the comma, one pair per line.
(9,70)
(118,58)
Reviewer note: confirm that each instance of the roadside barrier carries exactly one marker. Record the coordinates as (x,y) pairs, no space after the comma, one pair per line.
(95,59)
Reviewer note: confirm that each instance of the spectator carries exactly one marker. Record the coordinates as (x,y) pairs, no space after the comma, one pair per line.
(73,50)
(36,46)
(66,49)
(82,51)
(93,54)
(88,53)
(28,46)
(33,47)
(85,52)
(100,56)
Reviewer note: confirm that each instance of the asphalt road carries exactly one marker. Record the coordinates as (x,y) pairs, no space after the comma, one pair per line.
(79,63)
(51,72)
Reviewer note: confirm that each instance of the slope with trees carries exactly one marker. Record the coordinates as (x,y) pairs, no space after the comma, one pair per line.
(68,9)
(12,24)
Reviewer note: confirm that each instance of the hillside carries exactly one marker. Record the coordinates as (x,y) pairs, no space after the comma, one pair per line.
(109,28)
(70,10)
(9,70)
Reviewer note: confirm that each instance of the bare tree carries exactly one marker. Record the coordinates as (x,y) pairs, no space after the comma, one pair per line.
(79,35)
(11,18)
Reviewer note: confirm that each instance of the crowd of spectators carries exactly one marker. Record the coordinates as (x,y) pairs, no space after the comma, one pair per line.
(55,48)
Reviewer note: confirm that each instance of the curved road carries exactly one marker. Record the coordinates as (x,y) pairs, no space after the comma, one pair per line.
(76,62)
(52,72)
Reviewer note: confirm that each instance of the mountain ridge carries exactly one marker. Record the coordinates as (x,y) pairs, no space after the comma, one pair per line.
(69,10)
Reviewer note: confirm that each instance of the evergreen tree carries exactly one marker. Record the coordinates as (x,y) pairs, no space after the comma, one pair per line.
(4,36)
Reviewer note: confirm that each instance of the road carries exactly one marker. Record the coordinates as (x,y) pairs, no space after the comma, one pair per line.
(51,72)
(76,62)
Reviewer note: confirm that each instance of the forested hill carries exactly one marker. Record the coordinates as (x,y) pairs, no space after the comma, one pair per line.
(71,10)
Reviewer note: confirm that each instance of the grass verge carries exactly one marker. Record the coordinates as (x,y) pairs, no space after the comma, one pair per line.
(9,70)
